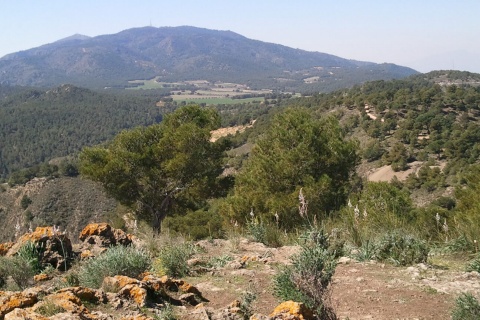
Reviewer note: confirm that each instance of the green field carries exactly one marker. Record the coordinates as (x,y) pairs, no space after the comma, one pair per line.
(221,100)
(150,84)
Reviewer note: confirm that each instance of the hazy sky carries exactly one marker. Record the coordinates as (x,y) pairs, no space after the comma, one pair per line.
(422,34)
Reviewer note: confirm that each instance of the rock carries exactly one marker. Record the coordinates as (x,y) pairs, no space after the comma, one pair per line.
(103,235)
(55,246)
(86,254)
(119,281)
(121,237)
(193,262)
(4,247)
(234,265)
(137,317)
(41,277)
(292,310)
(12,300)
(22,314)
(344,260)
(135,292)
(86,294)
(188,299)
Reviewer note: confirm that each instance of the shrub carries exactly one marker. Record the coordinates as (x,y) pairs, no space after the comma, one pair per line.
(30,253)
(466,308)
(25,202)
(197,224)
(308,278)
(119,260)
(474,265)
(266,233)
(401,249)
(246,304)
(49,308)
(172,260)
(18,269)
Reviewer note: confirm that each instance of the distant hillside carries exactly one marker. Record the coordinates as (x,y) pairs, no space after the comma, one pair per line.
(180,53)
(37,125)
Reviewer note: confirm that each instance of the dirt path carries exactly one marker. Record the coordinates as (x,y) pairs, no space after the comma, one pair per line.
(378,291)
(360,290)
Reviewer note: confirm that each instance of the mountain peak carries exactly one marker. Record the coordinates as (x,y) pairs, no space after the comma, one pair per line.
(76,36)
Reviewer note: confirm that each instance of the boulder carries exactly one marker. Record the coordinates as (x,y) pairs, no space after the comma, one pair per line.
(55,247)
(4,247)
(103,235)
(12,300)
(22,314)
(292,310)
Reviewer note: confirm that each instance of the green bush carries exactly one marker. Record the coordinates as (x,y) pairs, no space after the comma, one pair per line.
(172,260)
(20,271)
(25,202)
(49,308)
(266,233)
(401,249)
(30,253)
(119,260)
(474,265)
(196,225)
(466,308)
(308,278)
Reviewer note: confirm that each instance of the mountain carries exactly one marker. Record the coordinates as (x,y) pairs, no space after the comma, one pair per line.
(182,53)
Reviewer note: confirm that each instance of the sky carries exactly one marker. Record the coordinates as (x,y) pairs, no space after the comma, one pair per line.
(425,35)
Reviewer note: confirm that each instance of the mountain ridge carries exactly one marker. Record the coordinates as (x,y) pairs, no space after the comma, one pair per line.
(177,53)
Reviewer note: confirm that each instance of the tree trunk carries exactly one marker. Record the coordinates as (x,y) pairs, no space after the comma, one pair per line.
(160,214)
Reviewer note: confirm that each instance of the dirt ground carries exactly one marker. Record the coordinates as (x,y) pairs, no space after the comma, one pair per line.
(360,290)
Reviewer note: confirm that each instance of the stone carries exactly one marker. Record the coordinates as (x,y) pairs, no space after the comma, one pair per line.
(41,277)
(103,235)
(86,294)
(22,314)
(119,281)
(4,247)
(134,292)
(293,310)
(86,254)
(188,299)
(137,317)
(100,234)
(56,247)
(12,300)
(344,260)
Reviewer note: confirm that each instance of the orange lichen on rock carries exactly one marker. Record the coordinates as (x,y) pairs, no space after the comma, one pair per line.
(188,288)
(41,277)
(11,300)
(86,254)
(135,292)
(295,311)
(4,247)
(95,229)
(86,294)
(39,233)
(119,281)
(18,314)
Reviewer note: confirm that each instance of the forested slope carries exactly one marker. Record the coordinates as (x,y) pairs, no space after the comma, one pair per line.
(38,125)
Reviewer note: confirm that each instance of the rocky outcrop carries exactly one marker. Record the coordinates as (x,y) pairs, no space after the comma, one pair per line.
(12,300)
(292,310)
(4,247)
(103,235)
(54,247)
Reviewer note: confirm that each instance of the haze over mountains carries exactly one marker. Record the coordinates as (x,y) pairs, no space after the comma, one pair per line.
(184,53)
